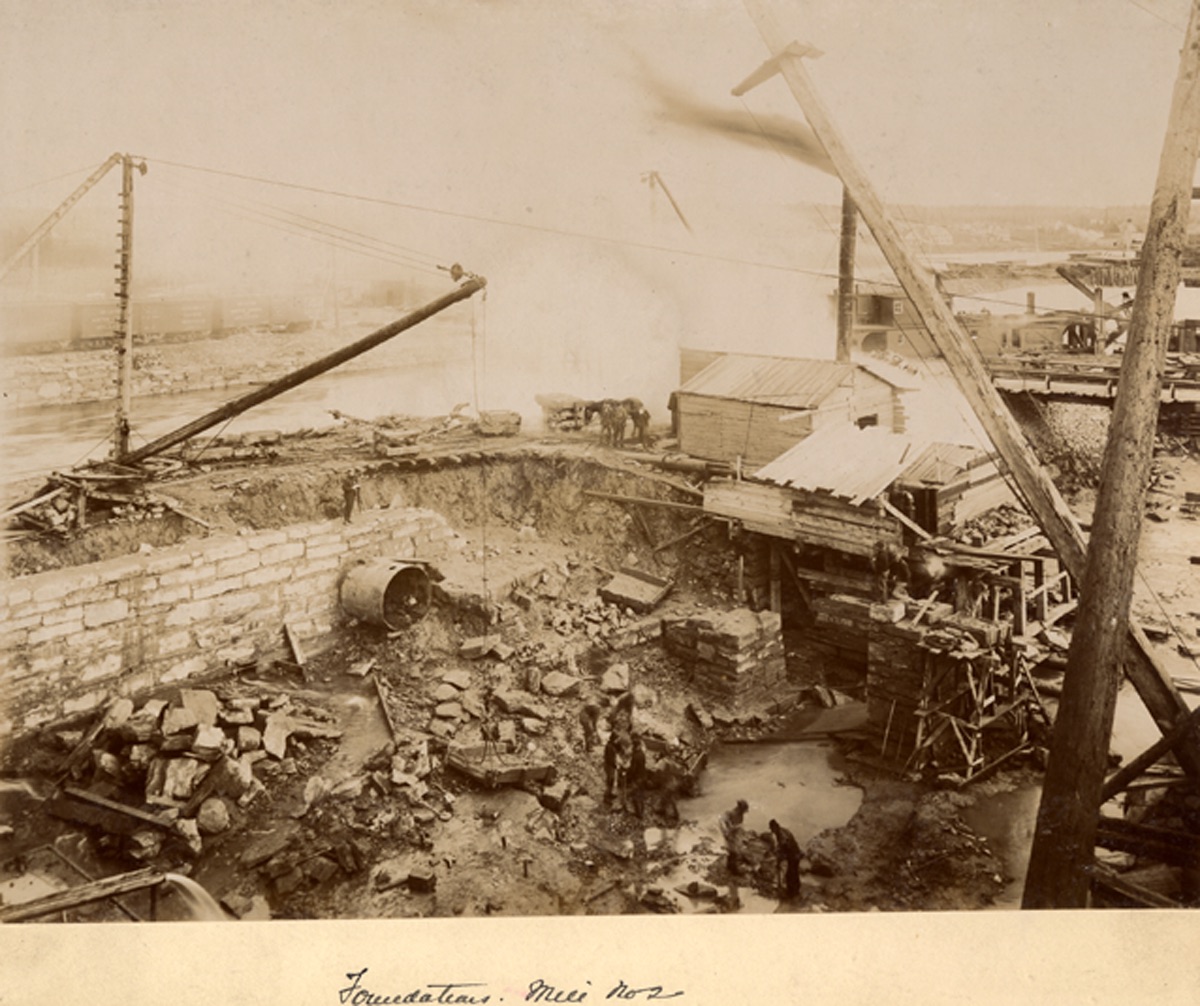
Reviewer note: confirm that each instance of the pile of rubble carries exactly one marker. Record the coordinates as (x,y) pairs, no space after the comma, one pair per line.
(189,757)
(602,622)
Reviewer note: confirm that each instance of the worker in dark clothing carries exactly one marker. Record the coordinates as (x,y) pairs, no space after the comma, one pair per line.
(616,764)
(589,719)
(635,775)
(787,860)
(620,717)
(352,493)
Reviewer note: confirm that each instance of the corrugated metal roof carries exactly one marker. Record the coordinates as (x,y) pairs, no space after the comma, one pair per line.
(771,380)
(845,461)
(893,374)
(942,463)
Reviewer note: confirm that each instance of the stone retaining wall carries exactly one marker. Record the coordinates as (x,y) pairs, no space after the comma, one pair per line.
(73,639)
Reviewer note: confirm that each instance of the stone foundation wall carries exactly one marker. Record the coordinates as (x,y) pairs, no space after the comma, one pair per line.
(737,656)
(73,639)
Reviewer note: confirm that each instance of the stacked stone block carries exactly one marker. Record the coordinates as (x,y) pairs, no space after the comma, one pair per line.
(736,656)
(73,639)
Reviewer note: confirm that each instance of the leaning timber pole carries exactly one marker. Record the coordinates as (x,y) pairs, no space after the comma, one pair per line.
(846,298)
(1046,504)
(1065,837)
(471,286)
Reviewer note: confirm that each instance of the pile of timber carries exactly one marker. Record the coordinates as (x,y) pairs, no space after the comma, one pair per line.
(736,657)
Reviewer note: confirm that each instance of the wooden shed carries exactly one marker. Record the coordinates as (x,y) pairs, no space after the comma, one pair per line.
(748,410)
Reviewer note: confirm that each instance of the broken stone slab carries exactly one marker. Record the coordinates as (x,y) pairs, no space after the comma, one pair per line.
(153,708)
(362,668)
(460,680)
(502,651)
(445,693)
(176,744)
(391,873)
(249,739)
(180,778)
(615,679)
(138,729)
(117,714)
(477,646)
(213,817)
(203,703)
(320,869)
(519,703)
(275,735)
(555,797)
(290,881)
(189,831)
(533,726)
(442,728)
(268,846)
(421,877)
(145,844)
(560,685)
(208,743)
(236,717)
(179,719)
(246,702)
(472,704)
(449,711)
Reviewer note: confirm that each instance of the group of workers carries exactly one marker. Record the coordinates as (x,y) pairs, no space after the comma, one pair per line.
(624,752)
(787,849)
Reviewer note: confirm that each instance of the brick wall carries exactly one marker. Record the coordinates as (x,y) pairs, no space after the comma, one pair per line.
(72,639)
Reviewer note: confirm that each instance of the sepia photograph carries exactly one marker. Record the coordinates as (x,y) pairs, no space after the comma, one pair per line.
(514,501)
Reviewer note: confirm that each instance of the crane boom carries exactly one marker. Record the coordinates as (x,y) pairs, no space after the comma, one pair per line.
(47,225)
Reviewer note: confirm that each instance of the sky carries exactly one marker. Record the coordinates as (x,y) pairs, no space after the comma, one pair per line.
(517,138)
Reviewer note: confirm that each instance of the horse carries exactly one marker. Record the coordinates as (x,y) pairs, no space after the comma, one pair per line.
(613,416)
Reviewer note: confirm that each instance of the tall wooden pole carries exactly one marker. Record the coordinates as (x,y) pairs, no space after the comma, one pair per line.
(846,298)
(124,330)
(1064,840)
(1045,502)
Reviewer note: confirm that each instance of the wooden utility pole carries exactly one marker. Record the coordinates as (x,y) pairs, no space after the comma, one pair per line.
(846,298)
(124,329)
(1045,502)
(1064,840)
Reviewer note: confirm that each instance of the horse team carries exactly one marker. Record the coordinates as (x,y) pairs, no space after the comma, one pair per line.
(614,415)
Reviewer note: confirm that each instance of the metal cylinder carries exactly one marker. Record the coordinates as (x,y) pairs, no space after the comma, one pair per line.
(388,592)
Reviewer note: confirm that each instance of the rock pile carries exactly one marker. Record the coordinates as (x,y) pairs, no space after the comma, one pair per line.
(191,756)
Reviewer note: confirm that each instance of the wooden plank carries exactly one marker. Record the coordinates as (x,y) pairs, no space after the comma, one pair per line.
(105,804)
(669,504)
(293,642)
(1127,773)
(100,890)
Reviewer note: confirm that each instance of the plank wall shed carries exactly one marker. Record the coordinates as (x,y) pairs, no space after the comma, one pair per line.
(827,490)
(748,410)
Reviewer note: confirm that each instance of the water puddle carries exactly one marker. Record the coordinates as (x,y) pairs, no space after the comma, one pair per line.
(799,784)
